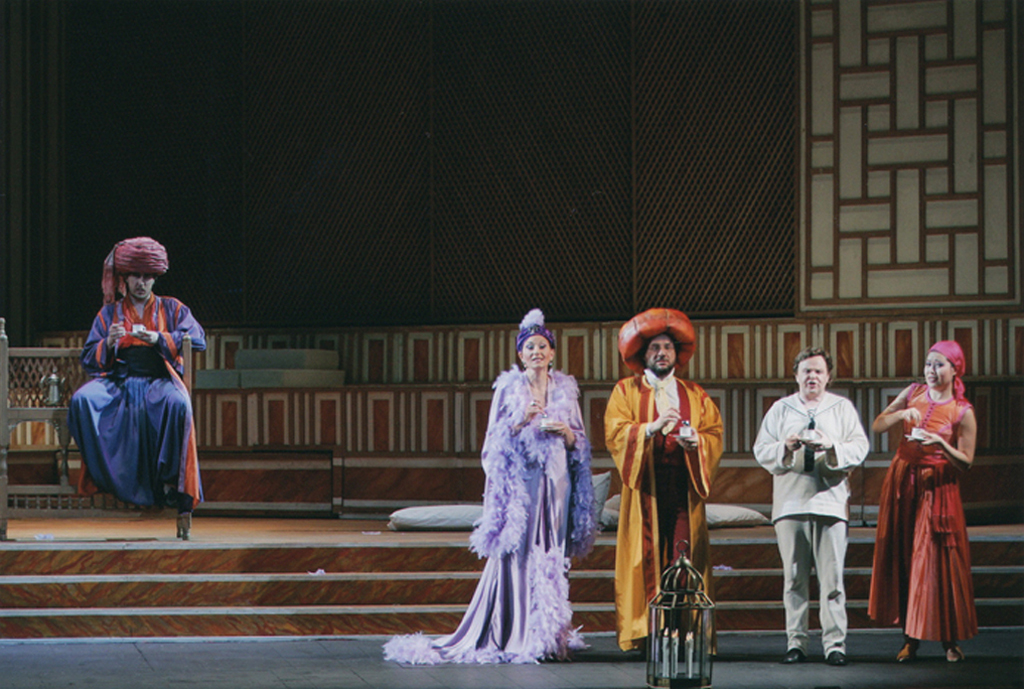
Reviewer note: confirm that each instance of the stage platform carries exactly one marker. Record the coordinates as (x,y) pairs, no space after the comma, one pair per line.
(995,660)
(127,576)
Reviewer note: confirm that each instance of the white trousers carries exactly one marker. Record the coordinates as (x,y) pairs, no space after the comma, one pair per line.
(806,541)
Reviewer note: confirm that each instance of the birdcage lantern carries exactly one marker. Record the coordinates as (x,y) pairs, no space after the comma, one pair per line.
(682,630)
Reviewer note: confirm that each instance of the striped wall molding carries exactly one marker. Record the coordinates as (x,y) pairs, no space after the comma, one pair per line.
(451,420)
(727,350)
(421,374)
(409,427)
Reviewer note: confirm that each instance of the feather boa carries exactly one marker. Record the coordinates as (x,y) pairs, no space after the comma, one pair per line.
(505,456)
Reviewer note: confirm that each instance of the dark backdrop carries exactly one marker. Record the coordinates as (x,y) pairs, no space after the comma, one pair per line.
(331,163)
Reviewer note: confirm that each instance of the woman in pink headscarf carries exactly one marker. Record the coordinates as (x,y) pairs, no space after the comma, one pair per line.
(921,577)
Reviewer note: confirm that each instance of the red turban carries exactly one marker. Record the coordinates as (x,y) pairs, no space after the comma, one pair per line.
(137,255)
(951,350)
(637,333)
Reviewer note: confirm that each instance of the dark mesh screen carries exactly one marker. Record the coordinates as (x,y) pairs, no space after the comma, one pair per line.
(715,152)
(347,163)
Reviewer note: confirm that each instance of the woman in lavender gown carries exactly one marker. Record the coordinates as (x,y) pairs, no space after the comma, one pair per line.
(538,512)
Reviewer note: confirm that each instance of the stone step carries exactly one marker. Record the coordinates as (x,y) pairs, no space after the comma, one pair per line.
(443,554)
(379,619)
(378,582)
(200,590)
(310,359)
(763,551)
(177,557)
(269,378)
(406,588)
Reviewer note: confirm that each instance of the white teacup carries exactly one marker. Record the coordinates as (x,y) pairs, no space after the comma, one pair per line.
(809,436)
(917,433)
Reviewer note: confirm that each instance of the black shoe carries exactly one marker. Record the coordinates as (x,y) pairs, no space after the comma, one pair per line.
(837,658)
(794,655)
(184,525)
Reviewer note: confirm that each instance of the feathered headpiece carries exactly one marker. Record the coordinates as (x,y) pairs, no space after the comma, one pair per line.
(533,324)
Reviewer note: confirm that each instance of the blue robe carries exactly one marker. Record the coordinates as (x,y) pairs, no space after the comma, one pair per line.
(133,421)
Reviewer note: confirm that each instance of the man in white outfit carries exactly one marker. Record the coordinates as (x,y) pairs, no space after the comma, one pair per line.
(809,442)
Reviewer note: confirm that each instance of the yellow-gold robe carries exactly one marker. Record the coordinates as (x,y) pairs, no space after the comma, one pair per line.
(638,557)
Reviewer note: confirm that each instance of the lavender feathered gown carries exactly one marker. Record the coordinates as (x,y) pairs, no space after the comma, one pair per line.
(538,512)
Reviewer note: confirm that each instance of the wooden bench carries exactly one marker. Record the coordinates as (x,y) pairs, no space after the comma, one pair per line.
(36,384)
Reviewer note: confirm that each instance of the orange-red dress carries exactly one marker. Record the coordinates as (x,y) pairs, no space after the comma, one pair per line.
(921,577)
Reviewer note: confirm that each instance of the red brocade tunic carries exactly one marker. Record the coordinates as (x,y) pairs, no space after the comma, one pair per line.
(922,569)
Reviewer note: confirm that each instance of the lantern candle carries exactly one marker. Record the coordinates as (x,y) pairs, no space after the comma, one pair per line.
(689,655)
(664,655)
(674,658)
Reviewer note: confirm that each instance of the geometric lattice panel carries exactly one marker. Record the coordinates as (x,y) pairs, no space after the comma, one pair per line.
(910,165)
(715,86)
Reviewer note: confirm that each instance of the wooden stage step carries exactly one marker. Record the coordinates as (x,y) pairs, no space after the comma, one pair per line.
(128,577)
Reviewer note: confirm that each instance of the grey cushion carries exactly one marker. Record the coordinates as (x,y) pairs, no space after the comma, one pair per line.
(435,518)
(463,517)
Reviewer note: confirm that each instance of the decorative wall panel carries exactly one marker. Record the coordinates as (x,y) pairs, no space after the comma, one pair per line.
(910,155)
(864,348)
(405,442)
(449,415)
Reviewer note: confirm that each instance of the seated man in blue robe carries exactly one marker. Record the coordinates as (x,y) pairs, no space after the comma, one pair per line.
(133,421)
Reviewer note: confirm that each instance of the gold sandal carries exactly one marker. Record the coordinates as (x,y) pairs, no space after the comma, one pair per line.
(908,653)
(954,654)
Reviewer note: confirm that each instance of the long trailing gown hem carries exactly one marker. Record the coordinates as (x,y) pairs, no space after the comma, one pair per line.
(538,512)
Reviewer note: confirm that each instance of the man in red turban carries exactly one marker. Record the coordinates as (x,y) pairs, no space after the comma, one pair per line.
(133,421)
(665,435)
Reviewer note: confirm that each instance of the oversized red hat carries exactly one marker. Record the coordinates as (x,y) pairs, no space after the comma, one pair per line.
(638,331)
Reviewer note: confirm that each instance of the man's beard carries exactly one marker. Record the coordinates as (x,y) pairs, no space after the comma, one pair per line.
(661,368)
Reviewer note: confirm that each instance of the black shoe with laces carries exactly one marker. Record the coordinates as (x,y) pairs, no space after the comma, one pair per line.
(794,655)
(837,658)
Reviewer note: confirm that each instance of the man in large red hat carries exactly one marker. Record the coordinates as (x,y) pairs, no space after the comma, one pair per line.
(133,421)
(665,435)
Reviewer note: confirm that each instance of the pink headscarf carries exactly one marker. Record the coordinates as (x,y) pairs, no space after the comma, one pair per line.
(136,255)
(951,350)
